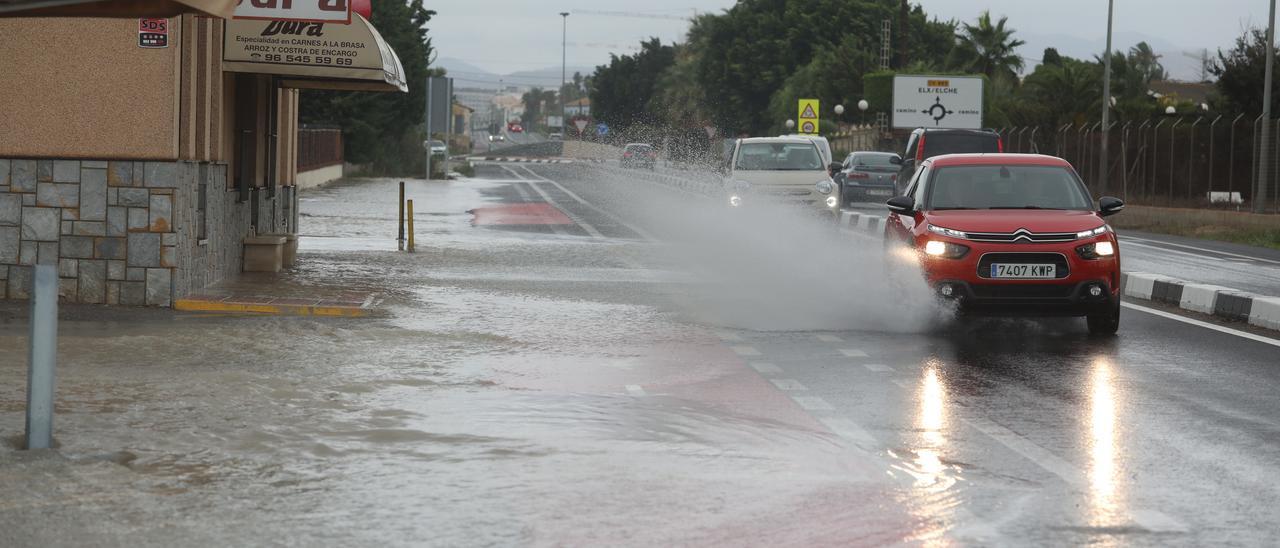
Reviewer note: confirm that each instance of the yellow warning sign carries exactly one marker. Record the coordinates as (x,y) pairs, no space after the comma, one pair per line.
(808,119)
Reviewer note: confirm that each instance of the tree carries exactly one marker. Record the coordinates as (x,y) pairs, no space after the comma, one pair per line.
(382,130)
(622,92)
(537,104)
(1146,62)
(1051,57)
(1241,72)
(987,48)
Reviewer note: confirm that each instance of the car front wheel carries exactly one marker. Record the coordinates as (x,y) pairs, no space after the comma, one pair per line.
(1105,323)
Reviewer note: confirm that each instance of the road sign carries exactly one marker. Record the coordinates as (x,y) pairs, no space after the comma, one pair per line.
(153,33)
(602,128)
(808,119)
(581,124)
(937,101)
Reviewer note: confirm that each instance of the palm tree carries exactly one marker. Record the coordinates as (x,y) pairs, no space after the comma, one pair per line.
(1147,62)
(986,48)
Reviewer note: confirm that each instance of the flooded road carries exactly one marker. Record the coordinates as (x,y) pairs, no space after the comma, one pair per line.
(577,357)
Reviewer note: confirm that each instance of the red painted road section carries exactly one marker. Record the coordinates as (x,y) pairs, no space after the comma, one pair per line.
(520,214)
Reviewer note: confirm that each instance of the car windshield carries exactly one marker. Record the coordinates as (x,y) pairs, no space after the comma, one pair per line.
(778,156)
(874,162)
(437,143)
(937,144)
(1006,187)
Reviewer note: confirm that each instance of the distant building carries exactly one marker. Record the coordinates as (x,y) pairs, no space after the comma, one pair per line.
(580,107)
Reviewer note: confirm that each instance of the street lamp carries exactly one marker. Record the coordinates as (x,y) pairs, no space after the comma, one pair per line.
(1260,196)
(791,124)
(564,33)
(863,105)
(1170,110)
(1104,170)
(839,110)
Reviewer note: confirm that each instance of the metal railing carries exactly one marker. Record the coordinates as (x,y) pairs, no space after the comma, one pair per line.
(319,148)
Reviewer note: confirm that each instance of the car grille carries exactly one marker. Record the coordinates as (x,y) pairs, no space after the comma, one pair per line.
(1063,267)
(1022,235)
(1022,291)
(789,192)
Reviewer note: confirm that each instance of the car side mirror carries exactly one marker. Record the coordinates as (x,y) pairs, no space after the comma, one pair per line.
(902,205)
(895,160)
(1108,206)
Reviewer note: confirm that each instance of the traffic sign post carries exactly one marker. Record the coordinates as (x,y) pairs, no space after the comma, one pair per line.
(807,121)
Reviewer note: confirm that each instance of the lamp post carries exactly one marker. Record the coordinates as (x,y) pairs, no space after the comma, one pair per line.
(863,105)
(564,33)
(1260,195)
(1103,168)
(791,124)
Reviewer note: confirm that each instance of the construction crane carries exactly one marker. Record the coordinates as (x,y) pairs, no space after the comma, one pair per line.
(1203,57)
(633,14)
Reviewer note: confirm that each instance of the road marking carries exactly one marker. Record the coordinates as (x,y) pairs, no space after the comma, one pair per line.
(813,403)
(1185,246)
(524,195)
(765,368)
(878,367)
(745,350)
(853,353)
(901,383)
(829,338)
(635,390)
(848,429)
(572,216)
(790,385)
(643,233)
(1206,325)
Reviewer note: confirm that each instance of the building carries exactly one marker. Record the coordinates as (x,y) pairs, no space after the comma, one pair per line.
(578,108)
(139,154)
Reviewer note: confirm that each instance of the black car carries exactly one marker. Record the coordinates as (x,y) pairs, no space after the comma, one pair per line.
(926,143)
(639,155)
(867,177)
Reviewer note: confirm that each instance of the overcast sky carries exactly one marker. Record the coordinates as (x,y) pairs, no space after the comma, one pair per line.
(506,36)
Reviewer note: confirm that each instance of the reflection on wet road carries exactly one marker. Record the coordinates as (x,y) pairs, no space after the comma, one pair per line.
(650,372)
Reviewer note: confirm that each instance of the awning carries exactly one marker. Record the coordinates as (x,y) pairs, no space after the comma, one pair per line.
(115,8)
(314,55)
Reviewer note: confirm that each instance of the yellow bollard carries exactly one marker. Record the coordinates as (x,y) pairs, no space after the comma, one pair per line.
(410,218)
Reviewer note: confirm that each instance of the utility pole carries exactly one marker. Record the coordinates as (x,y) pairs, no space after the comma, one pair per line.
(1260,194)
(1104,171)
(564,33)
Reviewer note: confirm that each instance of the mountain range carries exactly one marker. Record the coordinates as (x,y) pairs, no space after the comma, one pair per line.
(467,75)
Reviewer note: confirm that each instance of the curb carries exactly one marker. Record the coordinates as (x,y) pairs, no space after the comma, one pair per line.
(861,222)
(270,307)
(1215,300)
(519,159)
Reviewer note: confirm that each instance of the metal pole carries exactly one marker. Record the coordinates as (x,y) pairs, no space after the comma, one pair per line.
(564,33)
(448,123)
(1231,161)
(42,356)
(1139,162)
(1260,197)
(1155,154)
(1191,155)
(1173,135)
(1124,161)
(430,82)
(1210,171)
(400,236)
(1106,104)
(1034,149)
(410,205)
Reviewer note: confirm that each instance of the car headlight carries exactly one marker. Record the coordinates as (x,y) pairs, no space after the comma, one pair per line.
(735,200)
(945,250)
(1096,250)
(824,187)
(948,232)
(1091,233)
(832,201)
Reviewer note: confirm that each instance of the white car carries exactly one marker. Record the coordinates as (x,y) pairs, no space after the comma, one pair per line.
(438,147)
(780,169)
(824,146)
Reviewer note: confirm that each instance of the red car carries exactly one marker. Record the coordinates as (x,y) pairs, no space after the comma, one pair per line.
(1011,234)
(514,127)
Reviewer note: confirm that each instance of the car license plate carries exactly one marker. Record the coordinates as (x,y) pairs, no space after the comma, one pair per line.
(879,192)
(1024,271)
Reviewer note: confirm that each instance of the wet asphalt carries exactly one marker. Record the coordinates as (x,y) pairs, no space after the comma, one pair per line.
(641,375)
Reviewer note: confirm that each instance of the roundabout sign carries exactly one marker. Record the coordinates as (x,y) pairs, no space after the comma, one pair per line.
(937,101)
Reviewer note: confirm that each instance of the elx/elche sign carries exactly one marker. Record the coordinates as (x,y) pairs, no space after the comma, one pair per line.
(937,101)
(318,11)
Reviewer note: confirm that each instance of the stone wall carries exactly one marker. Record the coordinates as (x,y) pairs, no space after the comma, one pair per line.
(122,232)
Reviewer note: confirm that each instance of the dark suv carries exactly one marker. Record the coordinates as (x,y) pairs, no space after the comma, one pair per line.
(926,143)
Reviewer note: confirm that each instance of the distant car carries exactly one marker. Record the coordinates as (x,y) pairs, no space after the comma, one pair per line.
(515,127)
(785,170)
(497,138)
(867,177)
(556,136)
(824,147)
(438,147)
(925,143)
(1011,234)
(639,154)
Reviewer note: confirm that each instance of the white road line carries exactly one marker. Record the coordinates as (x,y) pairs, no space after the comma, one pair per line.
(745,350)
(790,385)
(1185,246)
(527,198)
(766,368)
(849,430)
(643,233)
(635,390)
(571,215)
(1206,325)
(878,367)
(829,338)
(813,403)
(853,353)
